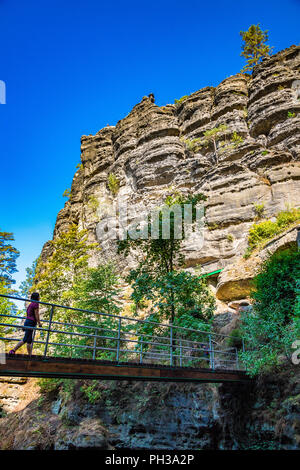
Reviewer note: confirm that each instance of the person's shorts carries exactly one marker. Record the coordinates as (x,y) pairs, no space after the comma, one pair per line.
(28,333)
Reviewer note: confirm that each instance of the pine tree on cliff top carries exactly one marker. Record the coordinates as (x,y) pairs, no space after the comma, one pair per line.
(8,257)
(254,48)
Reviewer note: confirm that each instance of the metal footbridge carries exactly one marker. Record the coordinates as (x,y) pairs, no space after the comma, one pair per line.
(93,345)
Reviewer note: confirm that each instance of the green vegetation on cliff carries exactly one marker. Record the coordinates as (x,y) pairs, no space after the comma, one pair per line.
(262,232)
(113,184)
(273,325)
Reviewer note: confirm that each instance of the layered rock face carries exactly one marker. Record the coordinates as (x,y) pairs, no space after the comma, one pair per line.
(255,160)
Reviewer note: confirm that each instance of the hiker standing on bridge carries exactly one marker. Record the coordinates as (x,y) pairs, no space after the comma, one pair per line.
(32,319)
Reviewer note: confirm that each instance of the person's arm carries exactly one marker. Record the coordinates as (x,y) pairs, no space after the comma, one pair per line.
(37,316)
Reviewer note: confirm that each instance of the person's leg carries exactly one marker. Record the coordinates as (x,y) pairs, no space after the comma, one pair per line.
(20,343)
(29,348)
(29,340)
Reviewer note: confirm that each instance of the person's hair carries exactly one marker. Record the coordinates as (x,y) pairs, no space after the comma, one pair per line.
(35,296)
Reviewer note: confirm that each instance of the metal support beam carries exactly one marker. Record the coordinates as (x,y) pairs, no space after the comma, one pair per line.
(119,337)
(49,330)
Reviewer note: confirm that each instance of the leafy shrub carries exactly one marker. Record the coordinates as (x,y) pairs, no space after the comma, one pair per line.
(93,203)
(64,386)
(67,193)
(49,385)
(248,252)
(297,306)
(192,144)
(291,115)
(285,218)
(91,392)
(211,134)
(236,139)
(235,339)
(266,230)
(113,184)
(262,231)
(271,328)
(183,98)
(259,210)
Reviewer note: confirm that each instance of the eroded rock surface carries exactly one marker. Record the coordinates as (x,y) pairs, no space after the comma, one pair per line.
(264,414)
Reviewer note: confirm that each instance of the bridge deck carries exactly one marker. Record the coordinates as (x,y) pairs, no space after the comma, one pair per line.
(57,367)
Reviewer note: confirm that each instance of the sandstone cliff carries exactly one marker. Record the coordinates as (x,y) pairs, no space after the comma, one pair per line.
(152,153)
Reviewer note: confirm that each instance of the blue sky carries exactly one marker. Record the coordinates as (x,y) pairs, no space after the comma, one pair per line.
(72,67)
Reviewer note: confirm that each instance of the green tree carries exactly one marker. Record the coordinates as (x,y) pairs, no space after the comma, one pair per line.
(254,48)
(212,135)
(272,327)
(97,290)
(55,277)
(6,308)
(8,257)
(26,286)
(174,295)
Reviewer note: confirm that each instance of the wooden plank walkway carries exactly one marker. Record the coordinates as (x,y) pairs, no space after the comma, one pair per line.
(57,367)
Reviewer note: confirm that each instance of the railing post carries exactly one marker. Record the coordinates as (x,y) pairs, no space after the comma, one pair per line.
(180,357)
(119,336)
(95,345)
(71,349)
(211,353)
(141,351)
(237,358)
(49,329)
(171,345)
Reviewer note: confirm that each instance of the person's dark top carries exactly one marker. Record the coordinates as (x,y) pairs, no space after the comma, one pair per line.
(30,311)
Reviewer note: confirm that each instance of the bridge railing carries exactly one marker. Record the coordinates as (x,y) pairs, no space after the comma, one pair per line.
(92,335)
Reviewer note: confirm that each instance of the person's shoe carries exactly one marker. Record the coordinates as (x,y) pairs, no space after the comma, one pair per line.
(12,352)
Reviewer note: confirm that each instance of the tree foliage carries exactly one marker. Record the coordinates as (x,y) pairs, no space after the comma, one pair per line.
(6,308)
(8,257)
(272,327)
(254,47)
(55,277)
(26,286)
(98,289)
(175,295)
(66,279)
